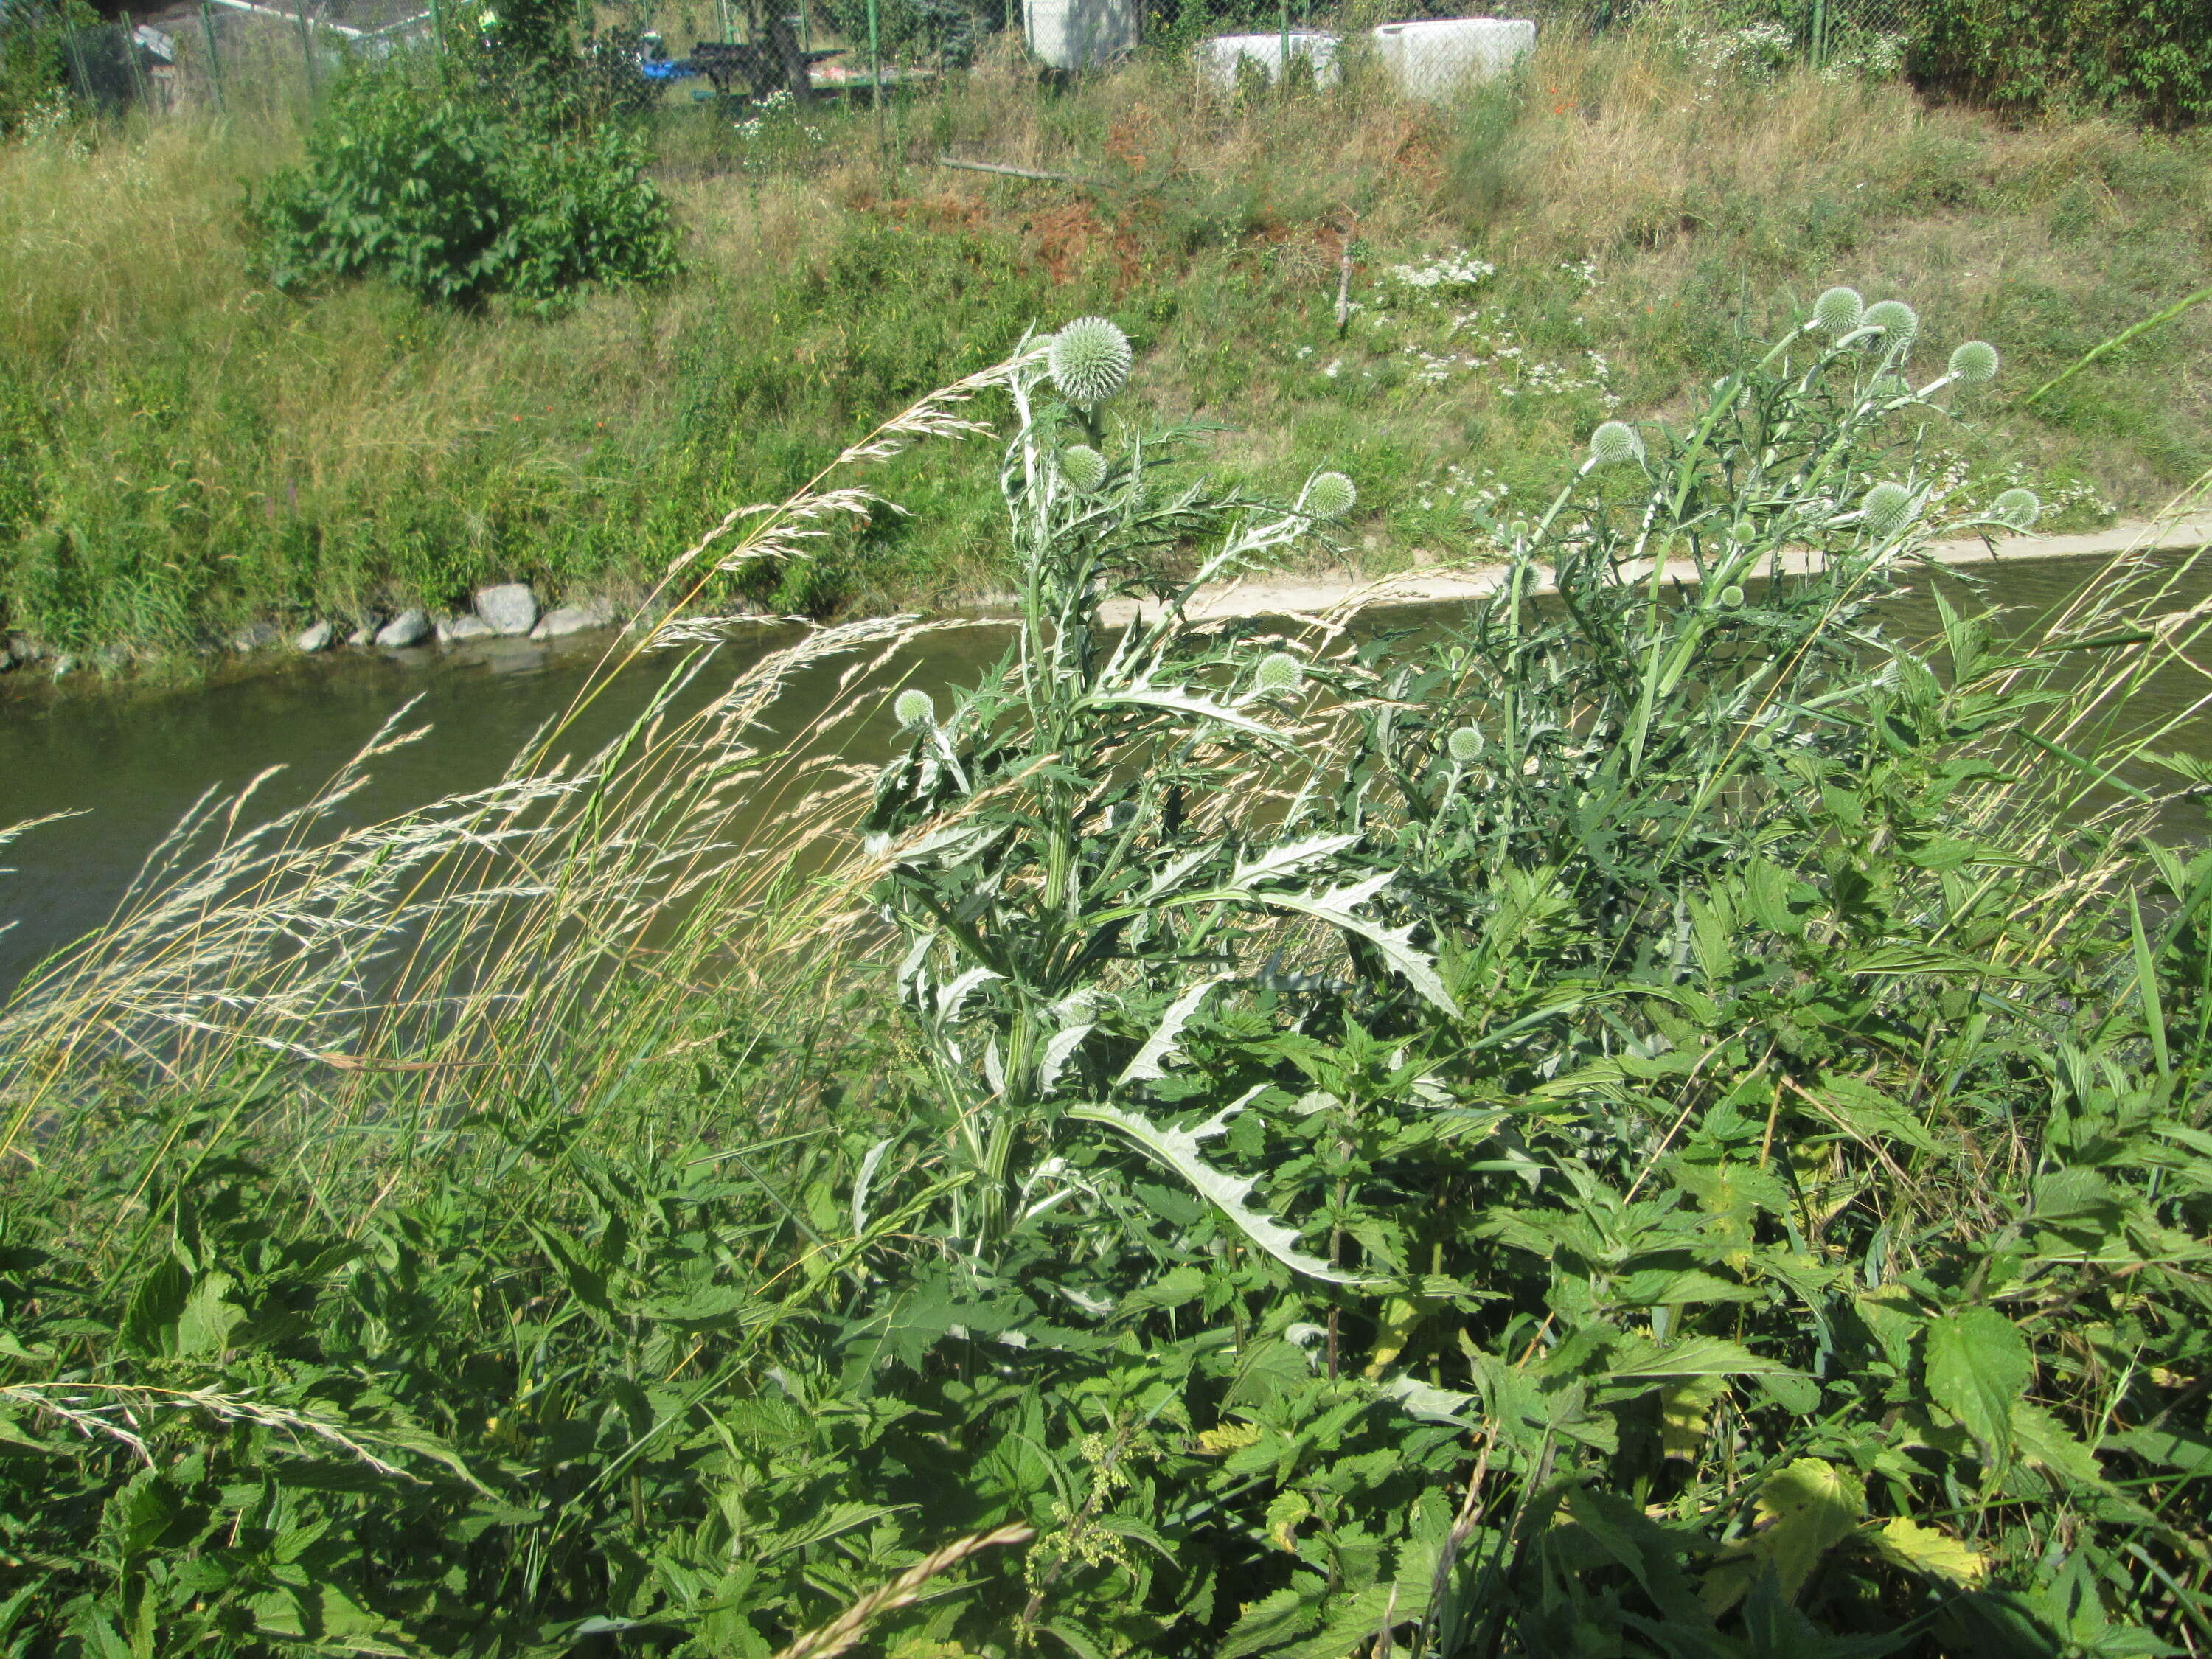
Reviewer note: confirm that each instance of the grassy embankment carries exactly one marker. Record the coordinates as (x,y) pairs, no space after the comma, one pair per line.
(183,449)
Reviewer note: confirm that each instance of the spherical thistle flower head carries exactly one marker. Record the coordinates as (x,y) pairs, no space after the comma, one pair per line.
(1974,363)
(2020,509)
(1732,597)
(1743,533)
(1328,495)
(1089,360)
(1279,674)
(1083,468)
(914,709)
(1898,321)
(1615,442)
(1838,310)
(1885,508)
(1464,745)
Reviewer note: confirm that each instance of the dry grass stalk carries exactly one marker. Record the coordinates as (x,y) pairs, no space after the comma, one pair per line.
(849,1626)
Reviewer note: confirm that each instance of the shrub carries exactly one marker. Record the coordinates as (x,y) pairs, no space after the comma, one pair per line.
(457,202)
(2148,57)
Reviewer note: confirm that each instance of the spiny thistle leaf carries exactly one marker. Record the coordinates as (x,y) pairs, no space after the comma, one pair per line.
(1334,906)
(1179,1150)
(1089,360)
(1151,1062)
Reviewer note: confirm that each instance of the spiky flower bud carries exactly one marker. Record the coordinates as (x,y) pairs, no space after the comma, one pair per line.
(1083,468)
(1615,442)
(2020,509)
(1089,360)
(1899,322)
(1464,745)
(1743,533)
(1974,362)
(1886,507)
(1328,495)
(1279,674)
(1732,597)
(1838,310)
(914,709)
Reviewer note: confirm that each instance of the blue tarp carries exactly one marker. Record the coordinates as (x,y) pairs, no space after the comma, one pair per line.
(666,69)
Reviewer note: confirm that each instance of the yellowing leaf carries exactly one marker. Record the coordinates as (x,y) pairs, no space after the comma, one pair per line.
(1682,1408)
(1905,1543)
(1284,1515)
(1402,1317)
(1231,1436)
(1803,1511)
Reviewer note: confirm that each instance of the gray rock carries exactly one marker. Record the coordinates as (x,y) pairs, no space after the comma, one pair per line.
(510,608)
(408,627)
(7,660)
(362,636)
(254,636)
(462,630)
(321,638)
(574,619)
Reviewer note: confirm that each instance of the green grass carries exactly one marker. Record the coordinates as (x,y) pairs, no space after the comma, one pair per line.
(183,449)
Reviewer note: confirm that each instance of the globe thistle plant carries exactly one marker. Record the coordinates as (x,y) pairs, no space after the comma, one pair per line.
(1885,508)
(1974,363)
(1279,674)
(1463,745)
(2018,508)
(1731,597)
(1613,443)
(1090,362)
(914,711)
(1328,495)
(1082,468)
(1838,310)
(1899,322)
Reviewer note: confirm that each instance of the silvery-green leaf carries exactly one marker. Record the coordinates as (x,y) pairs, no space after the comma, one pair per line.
(1172,875)
(1152,1059)
(1057,1052)
(1282,860)
(1190,703)
(950,998)
(1429,1403)
(1394,942)
(875,1157)
(1178,1150)
(952,843)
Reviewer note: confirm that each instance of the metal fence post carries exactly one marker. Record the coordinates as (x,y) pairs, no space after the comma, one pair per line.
(307,48)
(875,72)
(215,54)
(1283,45)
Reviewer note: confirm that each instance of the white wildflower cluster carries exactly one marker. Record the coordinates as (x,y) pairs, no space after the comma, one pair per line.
(1455,486)
(1484,342)
(1963,493)
(1454,268)
(1584,271)
(1877,57)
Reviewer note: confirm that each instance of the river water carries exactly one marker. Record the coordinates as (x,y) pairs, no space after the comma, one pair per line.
(131,764)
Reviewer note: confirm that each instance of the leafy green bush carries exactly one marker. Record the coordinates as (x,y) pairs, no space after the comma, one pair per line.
(1661,1122)
(456,202)
(2152,57)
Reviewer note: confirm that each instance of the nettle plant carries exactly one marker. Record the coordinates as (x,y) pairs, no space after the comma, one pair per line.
(1540,1139)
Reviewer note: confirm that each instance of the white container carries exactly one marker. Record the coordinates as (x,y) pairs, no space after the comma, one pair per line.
(1078,34)
(1439,59)
(1218,58)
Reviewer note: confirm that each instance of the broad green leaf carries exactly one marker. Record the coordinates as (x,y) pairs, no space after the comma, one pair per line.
(1979,1367)
(1693,1355)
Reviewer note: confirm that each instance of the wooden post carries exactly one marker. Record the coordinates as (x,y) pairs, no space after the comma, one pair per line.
(214,54)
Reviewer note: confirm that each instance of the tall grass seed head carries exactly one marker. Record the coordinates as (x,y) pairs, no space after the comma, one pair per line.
(1464,745)
(2020,509)
(1838,310)
(1974,363)
(1615,442)
(1279,674)
(1083,468)
(1886,507)
(1329,496)
(1899,322)
(914,709)
(1089,360)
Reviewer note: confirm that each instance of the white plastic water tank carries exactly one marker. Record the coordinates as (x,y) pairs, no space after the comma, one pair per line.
(1075,35)
(1437,59)
(1218,58)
